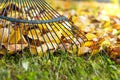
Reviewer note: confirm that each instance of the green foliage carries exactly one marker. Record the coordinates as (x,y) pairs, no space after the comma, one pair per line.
(62,67)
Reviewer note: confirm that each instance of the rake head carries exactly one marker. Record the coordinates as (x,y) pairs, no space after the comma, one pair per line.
(35,25)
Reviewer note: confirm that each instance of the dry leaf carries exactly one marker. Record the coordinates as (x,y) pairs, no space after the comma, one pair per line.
(51,37)
(83,50)
(34,34)
(115,52)
(43,48)
(18,47)
(4,35)
(15,37)
(91,36)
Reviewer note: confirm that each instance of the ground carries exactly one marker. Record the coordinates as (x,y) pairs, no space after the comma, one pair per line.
(65,66)
(59,67)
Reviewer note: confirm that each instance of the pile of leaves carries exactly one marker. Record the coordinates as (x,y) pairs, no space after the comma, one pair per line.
(38,38)
(99,21)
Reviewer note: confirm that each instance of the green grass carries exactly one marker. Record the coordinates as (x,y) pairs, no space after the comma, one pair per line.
(58,67)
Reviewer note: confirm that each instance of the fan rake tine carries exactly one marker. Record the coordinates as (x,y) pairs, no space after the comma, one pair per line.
(54,31)
(55,12)
(38,28)
(2,25)
(5,10)
(62,25)
(50,33)
(30,29)
(43,28)
(25,26)
(15,31)
(20,27)
(3,28)
(42,37)
(72,33)
(82,35)
(52,24)
(9,31)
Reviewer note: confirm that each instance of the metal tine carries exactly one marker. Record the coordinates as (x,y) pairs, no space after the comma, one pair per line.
(82,35)
(25,26)
(15,16)
(45,31)
(39,39)
(30,27)
(61,33)
(54,11)
(73,26)
(61,28)
(20,27)
(5,8)
(53,29)
(9,29)
(65,23)
(46,34)
(72,34)
(57,16)
(58,37)
(3,28)
(47,28)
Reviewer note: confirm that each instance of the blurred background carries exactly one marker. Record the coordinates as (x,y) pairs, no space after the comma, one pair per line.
(113,1)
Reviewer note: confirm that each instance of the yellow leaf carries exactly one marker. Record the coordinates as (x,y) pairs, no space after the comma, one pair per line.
(95,51)
(3,51)
(91,36)
(65,29)
(43,48)
(34,34)
(105,43)
(88,43)
(74,19)
(15,37)
(83,50)
(4,35)
(51,36)
(22,40)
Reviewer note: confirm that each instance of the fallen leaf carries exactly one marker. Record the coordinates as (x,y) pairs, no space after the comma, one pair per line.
(51,37)
(83,50)
(43,48)
(34,34)
(91,36)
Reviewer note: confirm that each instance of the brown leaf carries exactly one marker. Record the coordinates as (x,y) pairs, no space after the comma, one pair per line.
(12,48)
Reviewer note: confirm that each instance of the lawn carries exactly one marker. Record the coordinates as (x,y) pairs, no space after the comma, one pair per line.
(100,25)
(60,66)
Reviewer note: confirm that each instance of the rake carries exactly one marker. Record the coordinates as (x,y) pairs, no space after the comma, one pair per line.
(36,26)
